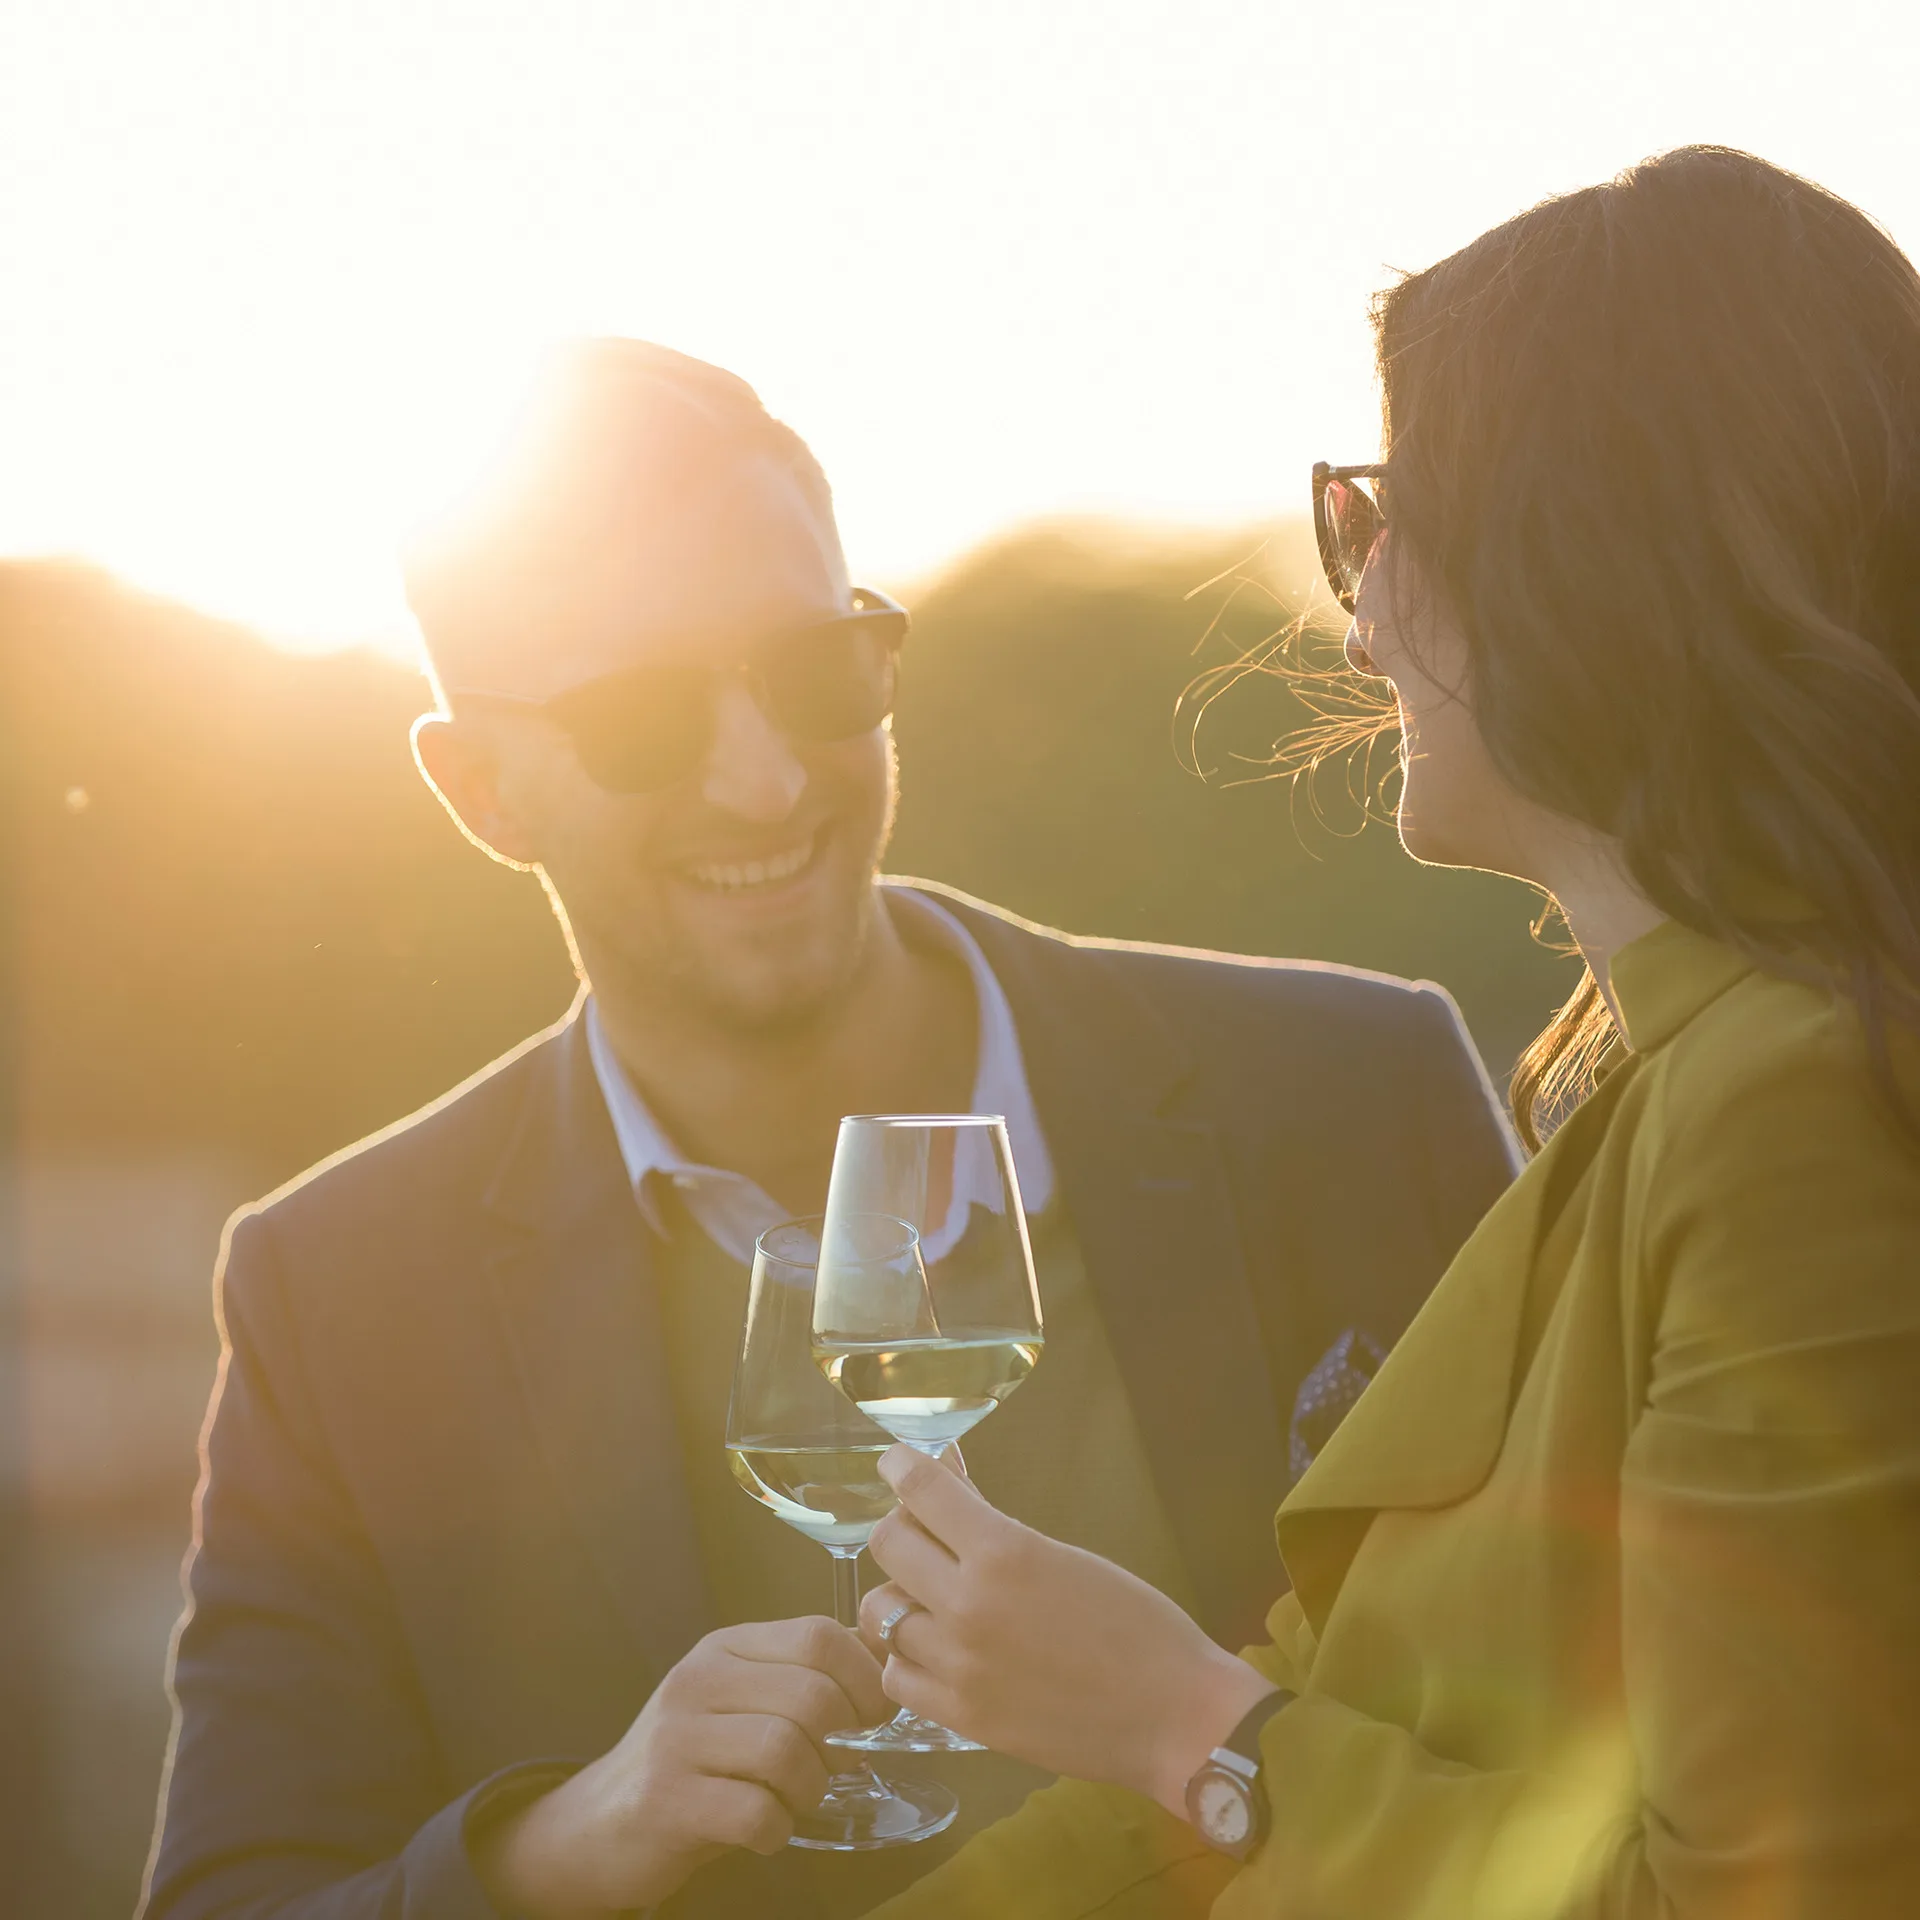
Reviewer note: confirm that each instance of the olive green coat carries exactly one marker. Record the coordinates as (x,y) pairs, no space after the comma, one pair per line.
(1607,1594)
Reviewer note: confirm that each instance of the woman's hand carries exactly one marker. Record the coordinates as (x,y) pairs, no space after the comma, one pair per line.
(1041,1650)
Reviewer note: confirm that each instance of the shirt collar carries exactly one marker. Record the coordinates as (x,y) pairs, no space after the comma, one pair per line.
(732,1209)
(1000,1079)
(644,1144)
(1663,979)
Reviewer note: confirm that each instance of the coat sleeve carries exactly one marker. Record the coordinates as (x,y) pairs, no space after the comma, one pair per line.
(302,1781)
(1767,1759)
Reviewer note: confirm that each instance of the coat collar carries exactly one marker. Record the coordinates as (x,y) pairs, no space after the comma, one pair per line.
(1426,1433)
(1431,1424)
(1667,977)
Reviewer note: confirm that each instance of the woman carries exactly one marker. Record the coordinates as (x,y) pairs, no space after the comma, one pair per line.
(1606,1596)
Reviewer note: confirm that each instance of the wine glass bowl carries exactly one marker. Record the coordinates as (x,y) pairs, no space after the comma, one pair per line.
(929,1392)
(832,1494)
(926,1312)
(810,1456)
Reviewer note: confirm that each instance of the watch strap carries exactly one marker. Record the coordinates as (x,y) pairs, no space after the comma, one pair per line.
(1243,1743)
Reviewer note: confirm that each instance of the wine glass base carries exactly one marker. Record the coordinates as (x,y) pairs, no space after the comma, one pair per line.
(905,1733)
(862,1812)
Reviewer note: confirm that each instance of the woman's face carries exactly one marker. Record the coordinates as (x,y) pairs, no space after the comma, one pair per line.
(1455,809)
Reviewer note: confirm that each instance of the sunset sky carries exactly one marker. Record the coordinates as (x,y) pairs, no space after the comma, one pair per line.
(272,273)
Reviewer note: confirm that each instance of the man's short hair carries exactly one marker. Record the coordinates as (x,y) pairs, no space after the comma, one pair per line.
(617,470)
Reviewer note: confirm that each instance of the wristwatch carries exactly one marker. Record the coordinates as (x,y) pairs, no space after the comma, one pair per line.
(1225,1800)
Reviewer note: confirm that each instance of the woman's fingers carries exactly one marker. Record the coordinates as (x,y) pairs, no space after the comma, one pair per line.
(924,1693)
(946,1503)
(875,1604)
(914,1652)
(882,1604)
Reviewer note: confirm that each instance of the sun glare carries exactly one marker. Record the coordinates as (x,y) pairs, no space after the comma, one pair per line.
(275,276)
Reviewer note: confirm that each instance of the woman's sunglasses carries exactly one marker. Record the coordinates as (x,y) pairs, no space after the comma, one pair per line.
(1348,520)
(647,728)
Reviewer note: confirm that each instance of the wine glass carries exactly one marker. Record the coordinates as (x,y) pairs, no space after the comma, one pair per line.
(925,1314)
(803,1451)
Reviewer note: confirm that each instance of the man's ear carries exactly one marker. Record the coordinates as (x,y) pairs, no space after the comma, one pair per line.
(459,764)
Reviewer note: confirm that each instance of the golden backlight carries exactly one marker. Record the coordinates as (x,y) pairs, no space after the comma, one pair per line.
(272,272)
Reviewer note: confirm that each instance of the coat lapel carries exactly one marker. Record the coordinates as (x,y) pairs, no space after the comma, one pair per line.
(1431,1424)
(572,1278)
(1147,1191)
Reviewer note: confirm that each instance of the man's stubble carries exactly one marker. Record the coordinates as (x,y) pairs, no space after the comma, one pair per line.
(634,954)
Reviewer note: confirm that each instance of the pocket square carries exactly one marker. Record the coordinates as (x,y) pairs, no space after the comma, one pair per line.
(1337,1379)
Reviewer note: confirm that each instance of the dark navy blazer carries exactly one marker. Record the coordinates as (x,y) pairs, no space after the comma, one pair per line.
(442,1527)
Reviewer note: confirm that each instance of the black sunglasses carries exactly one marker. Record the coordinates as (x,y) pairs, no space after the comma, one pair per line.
(647,728)
(1347,521)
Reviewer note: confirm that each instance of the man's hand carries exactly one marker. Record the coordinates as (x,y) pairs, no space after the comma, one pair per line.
(724,1754)
(1043,1651)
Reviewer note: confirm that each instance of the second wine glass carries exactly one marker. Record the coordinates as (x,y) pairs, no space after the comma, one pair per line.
(802,1452)
(926,1313)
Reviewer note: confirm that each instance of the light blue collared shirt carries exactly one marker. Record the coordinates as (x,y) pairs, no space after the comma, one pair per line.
(732,1210)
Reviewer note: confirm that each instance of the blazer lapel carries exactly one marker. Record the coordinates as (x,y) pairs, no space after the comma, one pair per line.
(1148,1195)
(1428,1428)
(1430,1425)
(573,1282)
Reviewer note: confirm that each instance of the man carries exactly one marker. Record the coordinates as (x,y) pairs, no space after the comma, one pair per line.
(478,1622)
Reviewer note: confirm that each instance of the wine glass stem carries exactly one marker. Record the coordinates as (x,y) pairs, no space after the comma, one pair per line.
(860,1778)
(846,1586)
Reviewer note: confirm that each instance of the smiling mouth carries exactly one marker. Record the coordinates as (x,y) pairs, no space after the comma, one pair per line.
(742,876)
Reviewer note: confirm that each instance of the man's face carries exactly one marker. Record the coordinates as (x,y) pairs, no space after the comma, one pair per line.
(743,891)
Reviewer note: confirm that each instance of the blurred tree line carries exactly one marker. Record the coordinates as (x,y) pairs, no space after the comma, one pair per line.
(243,921)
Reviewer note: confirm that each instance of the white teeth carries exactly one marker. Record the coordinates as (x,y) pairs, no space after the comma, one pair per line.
(730,878)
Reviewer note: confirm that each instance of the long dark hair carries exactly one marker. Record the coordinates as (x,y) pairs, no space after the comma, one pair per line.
(1657,446)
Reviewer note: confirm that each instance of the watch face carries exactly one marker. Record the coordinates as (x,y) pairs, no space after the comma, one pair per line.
(1222,1809)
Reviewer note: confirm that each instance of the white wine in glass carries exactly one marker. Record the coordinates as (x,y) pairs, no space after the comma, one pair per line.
(926,1312)
(832,1494)
(805,1453)
(929,1392)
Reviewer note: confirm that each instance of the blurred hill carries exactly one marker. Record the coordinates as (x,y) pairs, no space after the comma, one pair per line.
(247,924)
(245,934)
